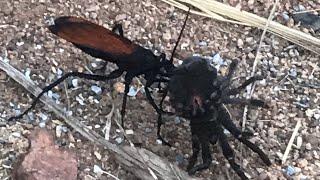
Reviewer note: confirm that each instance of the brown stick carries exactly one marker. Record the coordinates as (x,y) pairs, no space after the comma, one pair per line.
(139,161)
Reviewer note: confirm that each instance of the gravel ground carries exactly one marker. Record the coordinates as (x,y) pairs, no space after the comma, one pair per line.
(291,87)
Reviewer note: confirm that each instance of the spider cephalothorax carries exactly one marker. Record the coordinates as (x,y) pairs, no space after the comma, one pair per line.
(191,84)
(198,94)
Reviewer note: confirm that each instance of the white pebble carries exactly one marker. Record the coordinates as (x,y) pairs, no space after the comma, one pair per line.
(299,142)
(74,82)
(96,89)
(308,146)
(129,131)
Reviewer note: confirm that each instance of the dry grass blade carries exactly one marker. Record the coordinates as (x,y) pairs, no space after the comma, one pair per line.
(213,8)
(107,127)
(289,146)
(205,13)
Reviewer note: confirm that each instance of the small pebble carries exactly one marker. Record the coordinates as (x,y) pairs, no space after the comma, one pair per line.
(64,129)
(96,89)
(42,124)
(119,140)
(97,170)
(74,82)
(30,116)
(38,46)
(225,131)
(303,163)
(121,17)
(80,99)
(16,134)
(133,92)
(293,72)
(159,141)
(27,73)
(240,43)
(290,170)
(179,159)
(177,120)
(299,142)
(98,155)
(129,131)
(217,61)
(43,117)
(303,177)
(58,131)
(59,72)
(20,43)
(148,130)
(285,16)
(203,43)
(308,146)
(249,40)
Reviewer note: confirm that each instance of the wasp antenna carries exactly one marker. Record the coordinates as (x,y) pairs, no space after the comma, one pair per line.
(184,25)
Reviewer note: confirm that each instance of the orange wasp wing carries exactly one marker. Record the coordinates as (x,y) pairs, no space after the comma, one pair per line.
(92,38)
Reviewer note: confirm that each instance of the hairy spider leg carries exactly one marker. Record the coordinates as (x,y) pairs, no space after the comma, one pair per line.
(229,154)
(227,122)
(205,152)
(237,90)
(195,151)
(114,74)
(226,83)
(242,101)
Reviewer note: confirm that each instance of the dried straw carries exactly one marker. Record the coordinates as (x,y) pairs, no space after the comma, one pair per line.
(226,13)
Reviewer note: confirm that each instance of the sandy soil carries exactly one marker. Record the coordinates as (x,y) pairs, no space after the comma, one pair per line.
(291,86)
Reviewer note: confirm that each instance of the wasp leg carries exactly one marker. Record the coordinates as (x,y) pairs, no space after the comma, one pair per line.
(112,75)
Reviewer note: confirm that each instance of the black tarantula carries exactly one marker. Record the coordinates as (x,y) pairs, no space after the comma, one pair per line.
(199,94)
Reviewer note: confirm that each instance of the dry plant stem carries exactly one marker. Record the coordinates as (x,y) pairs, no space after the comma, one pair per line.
(289,146)
(111,175)
(135,160)
(213,8)
(107,127)
(208,14)
(67,95)
(306,11)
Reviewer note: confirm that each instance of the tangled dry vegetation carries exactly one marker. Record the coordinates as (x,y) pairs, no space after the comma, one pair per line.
(291,86)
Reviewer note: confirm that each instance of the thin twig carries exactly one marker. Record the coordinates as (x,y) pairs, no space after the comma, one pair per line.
(206,14)
(67,95)
(109,174)
(289,146)
(116,120)
(306,11)
(107,127)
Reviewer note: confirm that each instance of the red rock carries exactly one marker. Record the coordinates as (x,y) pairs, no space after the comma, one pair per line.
(45,161)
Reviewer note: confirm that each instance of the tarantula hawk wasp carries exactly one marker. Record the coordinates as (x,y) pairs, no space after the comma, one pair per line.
(112,46)
(199,94)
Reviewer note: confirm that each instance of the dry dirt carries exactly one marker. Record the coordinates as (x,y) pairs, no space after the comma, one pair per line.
(291,87)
